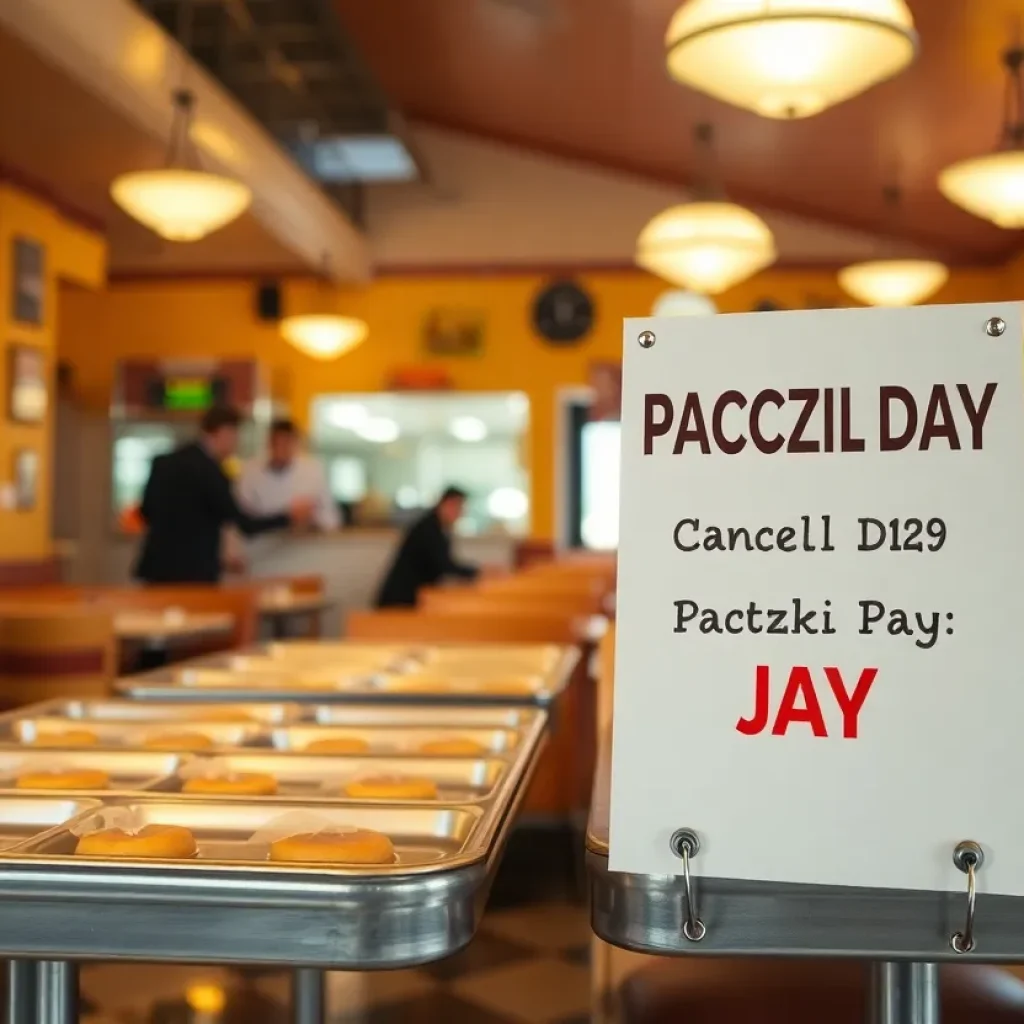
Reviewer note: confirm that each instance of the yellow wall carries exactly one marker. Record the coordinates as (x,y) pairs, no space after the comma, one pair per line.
(217,318)
(71,253)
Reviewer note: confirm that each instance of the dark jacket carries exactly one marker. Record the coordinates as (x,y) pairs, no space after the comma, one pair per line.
(187,502)
(423,558)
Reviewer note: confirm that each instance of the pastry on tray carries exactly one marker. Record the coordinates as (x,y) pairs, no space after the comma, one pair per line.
(178,741)
(337,745)
(66,738)
(391,787)
(166,842)
(237,784)
(64,778)
(357,846)
(454,746)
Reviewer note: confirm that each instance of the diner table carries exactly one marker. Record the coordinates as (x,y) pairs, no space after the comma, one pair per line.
(281,608)
(155,633)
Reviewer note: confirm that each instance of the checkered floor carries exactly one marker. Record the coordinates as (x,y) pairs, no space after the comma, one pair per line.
(527,965)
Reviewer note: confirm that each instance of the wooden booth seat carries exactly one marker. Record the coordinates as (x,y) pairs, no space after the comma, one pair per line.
(701,990)
(55,651)
(561,784)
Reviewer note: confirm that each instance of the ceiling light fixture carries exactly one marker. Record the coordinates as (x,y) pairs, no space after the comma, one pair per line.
(893,282)
(180,203)
(324,335)
(788,58)
(682,303)
(992,186)
(707,245)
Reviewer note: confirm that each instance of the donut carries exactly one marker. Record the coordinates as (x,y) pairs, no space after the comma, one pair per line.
(456,747)
(360,846)
(338,745)
(66,778)
(69,738)
(168,842)
(391,787)
(178,741)
(242,783)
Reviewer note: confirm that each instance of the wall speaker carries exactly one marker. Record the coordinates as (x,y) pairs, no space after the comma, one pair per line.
(268,301)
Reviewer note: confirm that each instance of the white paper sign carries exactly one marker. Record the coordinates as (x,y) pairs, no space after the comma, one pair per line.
(821,597)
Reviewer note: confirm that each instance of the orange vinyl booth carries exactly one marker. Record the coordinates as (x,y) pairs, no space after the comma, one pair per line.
(561,785)
(55,651)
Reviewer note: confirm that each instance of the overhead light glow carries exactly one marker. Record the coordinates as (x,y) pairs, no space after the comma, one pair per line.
(893,282)
(788,58)
(507,504)
(180,205)
(990,187)
(706,247)
(379,429)
(468,428)
(324,335)
(347,415)
(682,303)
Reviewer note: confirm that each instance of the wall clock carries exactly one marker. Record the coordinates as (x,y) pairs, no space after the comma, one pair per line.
(563,313)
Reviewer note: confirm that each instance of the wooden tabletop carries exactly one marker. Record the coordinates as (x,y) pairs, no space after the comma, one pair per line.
(165,627)
(273,602)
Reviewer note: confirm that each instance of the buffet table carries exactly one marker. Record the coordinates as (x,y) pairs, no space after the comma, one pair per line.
(228,904)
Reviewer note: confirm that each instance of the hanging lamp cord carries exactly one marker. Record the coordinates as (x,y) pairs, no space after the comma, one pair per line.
(1013,111)
(180,152)
(707,182)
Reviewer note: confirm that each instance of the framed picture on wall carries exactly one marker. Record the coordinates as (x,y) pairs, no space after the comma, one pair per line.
(26,478)
(453,332)
(27,392)
(27,281)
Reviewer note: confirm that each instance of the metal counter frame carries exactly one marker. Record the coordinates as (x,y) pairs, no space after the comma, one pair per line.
(904,934)
(55,912)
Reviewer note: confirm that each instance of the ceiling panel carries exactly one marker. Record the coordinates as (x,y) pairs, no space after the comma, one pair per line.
(586,79)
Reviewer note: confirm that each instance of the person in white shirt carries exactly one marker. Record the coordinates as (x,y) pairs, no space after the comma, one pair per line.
(270,485)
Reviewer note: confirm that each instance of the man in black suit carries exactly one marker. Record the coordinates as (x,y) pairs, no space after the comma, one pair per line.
(188,501)
(425,554)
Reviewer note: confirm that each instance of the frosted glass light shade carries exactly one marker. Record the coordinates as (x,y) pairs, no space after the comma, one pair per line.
(788,58)
(990,187)
(323,335)
(893,282)
(180,205)
(682,303)
(705,247)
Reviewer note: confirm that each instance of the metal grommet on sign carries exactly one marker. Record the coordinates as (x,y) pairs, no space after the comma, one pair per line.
(995,326)
(646,339)
(685,844)
(968,856)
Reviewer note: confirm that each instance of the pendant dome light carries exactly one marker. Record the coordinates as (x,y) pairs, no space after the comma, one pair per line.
(893,282)
(707,245)
(677,302)
(324,334)
(788,58)
(992,186)
(179,203)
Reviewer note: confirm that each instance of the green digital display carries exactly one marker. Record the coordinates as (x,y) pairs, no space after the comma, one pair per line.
(187,393)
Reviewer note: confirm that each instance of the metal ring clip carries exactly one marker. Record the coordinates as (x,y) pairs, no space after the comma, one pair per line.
(685,844)
(968,857)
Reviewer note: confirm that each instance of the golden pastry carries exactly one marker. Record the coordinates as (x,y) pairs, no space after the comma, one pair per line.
(391,787)
(454,747)
(178,741)
(361,846)
(67,778)
(242,784)
(69,738)
(168,842)
(338,745)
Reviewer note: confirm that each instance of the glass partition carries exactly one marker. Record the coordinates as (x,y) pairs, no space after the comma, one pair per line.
(389,455)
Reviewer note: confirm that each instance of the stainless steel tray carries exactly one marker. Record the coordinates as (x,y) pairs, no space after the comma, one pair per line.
(29,730)
(645,913)
(450,715)
(426,838)
(451,686)
(395,740)
(128,769)
(322,777)
(87,711)
(244,910)
(26,817)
